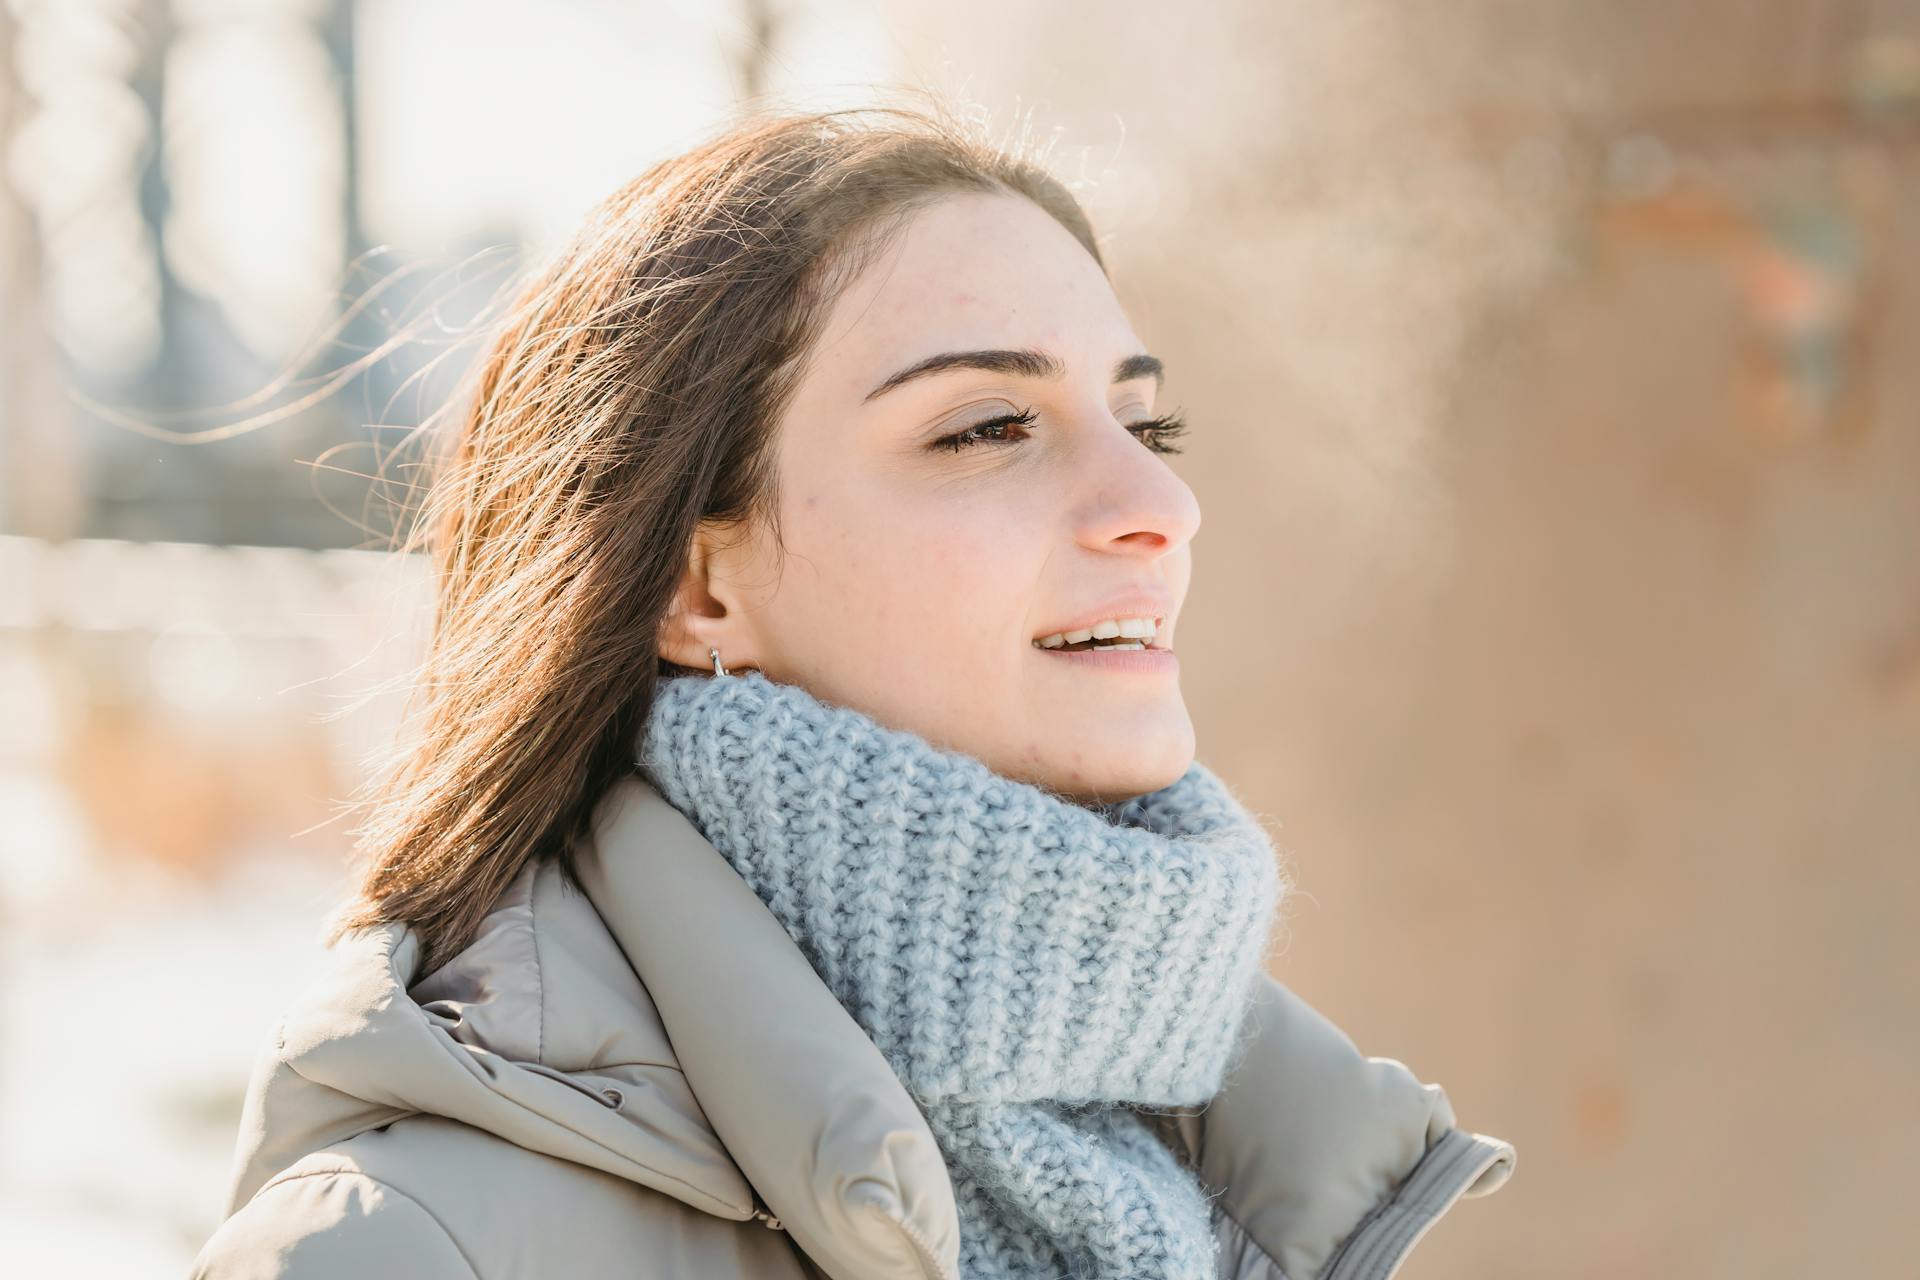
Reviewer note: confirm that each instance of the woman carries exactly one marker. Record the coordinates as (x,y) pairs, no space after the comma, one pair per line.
(804,868)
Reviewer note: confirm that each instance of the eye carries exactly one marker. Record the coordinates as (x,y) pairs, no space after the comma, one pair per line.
(966,438)
(1155,433)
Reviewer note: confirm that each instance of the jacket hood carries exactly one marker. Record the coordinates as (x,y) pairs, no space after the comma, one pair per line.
(664,1028)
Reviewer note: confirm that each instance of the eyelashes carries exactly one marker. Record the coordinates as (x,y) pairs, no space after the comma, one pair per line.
(967,437)
(1156,433)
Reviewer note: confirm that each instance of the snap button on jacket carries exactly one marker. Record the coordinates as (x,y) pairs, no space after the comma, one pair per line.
(650,1080)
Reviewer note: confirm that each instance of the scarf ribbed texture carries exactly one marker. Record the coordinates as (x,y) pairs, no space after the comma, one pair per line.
(1026,964)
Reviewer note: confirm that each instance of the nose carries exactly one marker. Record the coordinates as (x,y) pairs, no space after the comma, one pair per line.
(1128,498)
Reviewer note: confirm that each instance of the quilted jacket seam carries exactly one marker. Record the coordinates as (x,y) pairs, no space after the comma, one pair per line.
(286,1179)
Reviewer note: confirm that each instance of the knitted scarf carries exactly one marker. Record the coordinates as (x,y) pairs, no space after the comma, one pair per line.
(1028,965)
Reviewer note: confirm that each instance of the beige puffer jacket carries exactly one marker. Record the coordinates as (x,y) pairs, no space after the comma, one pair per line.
(651,1081)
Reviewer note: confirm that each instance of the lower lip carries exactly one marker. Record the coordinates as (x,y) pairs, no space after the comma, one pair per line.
(1138,660)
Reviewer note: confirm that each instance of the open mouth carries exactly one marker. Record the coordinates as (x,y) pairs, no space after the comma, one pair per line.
(1121,634)
(1117,642)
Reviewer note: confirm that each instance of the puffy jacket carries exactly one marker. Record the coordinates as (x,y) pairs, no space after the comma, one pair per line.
(649,1080)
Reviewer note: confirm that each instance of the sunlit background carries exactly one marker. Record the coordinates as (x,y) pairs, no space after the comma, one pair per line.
(1555,377)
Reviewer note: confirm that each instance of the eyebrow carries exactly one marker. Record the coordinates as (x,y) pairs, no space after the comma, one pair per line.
(1024,362)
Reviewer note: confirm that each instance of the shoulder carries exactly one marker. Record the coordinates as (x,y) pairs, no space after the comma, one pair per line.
(428,1198)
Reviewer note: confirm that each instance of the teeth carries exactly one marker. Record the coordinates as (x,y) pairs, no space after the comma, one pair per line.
(1135,629)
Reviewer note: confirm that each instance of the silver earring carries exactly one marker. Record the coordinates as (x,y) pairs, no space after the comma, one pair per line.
(714,653)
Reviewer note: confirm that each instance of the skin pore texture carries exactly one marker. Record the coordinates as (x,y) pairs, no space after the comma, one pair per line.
(915,579)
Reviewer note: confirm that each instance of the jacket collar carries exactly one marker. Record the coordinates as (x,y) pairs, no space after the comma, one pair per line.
(810,1109)
(1314,1145)
(667,1029)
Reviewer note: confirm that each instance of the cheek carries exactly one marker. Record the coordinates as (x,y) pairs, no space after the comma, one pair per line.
(926,578)
(858,576)
(969,569)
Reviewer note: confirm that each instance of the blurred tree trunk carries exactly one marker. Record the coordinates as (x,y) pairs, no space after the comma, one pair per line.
(39,462)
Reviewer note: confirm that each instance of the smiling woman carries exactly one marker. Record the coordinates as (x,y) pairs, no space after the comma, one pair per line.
(882,528)
(919,943)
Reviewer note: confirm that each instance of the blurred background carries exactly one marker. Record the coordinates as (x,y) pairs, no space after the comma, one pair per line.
(1555,372)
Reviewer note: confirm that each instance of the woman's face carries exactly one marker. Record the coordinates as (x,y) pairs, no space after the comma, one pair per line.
(916,576)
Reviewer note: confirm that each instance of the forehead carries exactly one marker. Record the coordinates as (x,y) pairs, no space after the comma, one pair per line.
(968,272)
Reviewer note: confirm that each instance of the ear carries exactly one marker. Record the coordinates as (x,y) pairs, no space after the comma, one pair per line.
(706,610)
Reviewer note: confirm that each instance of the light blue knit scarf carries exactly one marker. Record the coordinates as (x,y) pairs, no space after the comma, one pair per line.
(1025,963)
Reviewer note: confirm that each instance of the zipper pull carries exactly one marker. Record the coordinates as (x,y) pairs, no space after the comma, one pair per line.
(772,1222)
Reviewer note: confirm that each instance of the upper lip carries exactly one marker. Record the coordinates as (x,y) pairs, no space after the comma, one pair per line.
(1136,605)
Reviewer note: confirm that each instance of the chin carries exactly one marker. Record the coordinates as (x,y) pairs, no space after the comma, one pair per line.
(1091,782)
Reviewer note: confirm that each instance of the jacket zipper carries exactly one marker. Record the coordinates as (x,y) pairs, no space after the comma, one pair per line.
(920,1242)
(1377,1246)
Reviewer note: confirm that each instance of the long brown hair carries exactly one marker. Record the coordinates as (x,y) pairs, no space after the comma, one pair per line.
(629,393)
